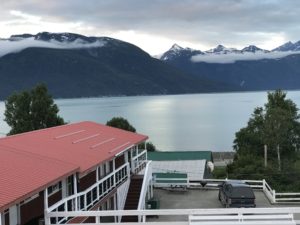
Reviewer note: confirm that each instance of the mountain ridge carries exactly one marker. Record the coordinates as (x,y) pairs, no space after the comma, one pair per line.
(111,69)
(250,68)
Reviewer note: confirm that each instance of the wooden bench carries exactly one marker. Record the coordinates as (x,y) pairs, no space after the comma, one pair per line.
(254,219)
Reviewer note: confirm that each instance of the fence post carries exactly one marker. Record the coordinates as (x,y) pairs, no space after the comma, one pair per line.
(264,185)
(274,196)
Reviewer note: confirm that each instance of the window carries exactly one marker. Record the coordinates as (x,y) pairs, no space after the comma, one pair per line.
(54,188)
(70,186)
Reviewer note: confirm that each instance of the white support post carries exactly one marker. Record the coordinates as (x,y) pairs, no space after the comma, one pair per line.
(75,190)
(97,219)
(64,188)
(114,172)
(132,162)
(47,219)
(85,202)
(0,218)
(137,159)
(97,173)
(126,156)
(46,198)
(13,215)
(115,207)
(274,196)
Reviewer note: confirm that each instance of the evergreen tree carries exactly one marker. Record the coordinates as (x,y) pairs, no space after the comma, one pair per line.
(121,123)
(275,125)
(31,110)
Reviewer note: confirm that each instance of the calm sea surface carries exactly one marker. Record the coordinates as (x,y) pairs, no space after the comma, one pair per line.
(173,122)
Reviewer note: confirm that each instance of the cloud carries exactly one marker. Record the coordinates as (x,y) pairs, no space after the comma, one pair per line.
(233,57)
(201,24)
(7,46)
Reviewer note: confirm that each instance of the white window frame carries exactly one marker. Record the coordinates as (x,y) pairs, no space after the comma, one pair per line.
(54,188)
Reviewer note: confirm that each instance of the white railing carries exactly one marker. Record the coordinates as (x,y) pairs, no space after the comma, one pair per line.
(182,216)
(122,192)
(270,193)
(147,180)
(86,199)
(139,161)
(287,197)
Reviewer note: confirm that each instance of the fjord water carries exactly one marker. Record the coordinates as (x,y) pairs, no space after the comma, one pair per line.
(172,122)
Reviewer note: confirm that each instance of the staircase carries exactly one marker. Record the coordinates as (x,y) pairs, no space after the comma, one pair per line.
(133,197)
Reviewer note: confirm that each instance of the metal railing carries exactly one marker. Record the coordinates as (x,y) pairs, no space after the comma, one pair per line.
(182,216)
(86,199)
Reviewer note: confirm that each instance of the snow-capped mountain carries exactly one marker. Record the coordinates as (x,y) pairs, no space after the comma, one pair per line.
(60,37)
(221,49)
(253,49)
(178,51)
(289,46)
(250,68)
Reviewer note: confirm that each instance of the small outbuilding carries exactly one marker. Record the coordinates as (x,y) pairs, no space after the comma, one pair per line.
(191,165)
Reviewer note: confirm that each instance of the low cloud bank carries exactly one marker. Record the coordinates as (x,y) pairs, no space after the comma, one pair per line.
(233,57)
(7,46)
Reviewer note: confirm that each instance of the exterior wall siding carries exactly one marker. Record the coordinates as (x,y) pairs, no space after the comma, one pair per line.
(6,219)
(87,181)
(55,197)
(119,161)
(32,210)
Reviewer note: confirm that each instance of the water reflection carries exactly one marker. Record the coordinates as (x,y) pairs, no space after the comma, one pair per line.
(173,122)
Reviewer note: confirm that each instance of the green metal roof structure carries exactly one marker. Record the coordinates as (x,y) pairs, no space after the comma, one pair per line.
(182,177)
(180,155)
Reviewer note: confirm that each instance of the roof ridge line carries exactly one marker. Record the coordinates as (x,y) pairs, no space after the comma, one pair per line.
(44,129)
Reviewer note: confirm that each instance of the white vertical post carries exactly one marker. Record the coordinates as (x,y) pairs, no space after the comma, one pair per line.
(115,206)
(13,215)
(132,163)
(114,172)
(137,158)
(46,199)
(126,156)
(47,219)
(64,188)
(274,196)
(75,190)
(0,218)
(97,173)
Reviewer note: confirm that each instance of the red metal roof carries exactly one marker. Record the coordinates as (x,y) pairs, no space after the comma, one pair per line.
(24,174)
(82,145)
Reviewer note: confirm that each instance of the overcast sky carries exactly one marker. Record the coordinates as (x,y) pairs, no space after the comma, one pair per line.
(154,25)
